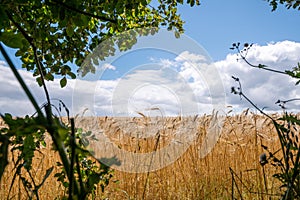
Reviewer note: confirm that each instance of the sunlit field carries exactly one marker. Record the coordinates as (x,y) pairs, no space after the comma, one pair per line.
(230,171)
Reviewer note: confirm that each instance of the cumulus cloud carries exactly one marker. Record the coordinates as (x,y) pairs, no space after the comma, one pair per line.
(188,84)
(190,57)
(264,88)
(14,100)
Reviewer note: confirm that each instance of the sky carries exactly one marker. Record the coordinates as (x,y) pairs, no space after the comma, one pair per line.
(192,75)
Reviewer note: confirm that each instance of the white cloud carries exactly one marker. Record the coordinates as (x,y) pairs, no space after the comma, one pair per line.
(14,100)
(152,86)
(190,57)
(108,66)
(262,87)
(188,83)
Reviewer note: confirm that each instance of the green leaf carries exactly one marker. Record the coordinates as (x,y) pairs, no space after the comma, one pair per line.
(12,40)
(290,73)
(19,53)
(70,30)
(72,75)
(63,133)
(39,81)
(63,82)
(28,151)
(81,20)
(49,77)
(177,34)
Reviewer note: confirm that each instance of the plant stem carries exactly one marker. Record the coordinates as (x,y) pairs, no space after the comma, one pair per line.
(72,143)
(59,145)
(265,180)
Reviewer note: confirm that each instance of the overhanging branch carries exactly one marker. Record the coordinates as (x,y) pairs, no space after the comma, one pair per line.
(83,12)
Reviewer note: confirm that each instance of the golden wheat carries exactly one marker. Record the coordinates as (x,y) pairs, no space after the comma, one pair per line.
(189,177)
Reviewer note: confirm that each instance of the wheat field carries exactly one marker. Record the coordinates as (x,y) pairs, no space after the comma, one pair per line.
(230,170)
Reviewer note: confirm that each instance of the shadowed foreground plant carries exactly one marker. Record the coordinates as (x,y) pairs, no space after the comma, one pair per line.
(287,131)
(25,136)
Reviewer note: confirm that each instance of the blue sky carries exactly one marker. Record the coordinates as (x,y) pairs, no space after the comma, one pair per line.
(214,25)
(217,24)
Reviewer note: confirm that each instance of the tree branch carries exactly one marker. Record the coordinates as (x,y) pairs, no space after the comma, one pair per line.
(84,13)
(38,63)
(27,37)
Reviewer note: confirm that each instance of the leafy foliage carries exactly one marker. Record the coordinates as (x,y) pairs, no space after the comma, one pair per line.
(288,3)
(91,173)
(56,33)
(50,36)
(25,136)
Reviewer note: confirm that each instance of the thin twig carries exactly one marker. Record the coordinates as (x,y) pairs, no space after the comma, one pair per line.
(258,66)
(40,68)
(265,179)
(262,112)
(235,183)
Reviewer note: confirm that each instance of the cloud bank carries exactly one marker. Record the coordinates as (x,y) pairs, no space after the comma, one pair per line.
(264,88)
(14,100)
(185,84)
